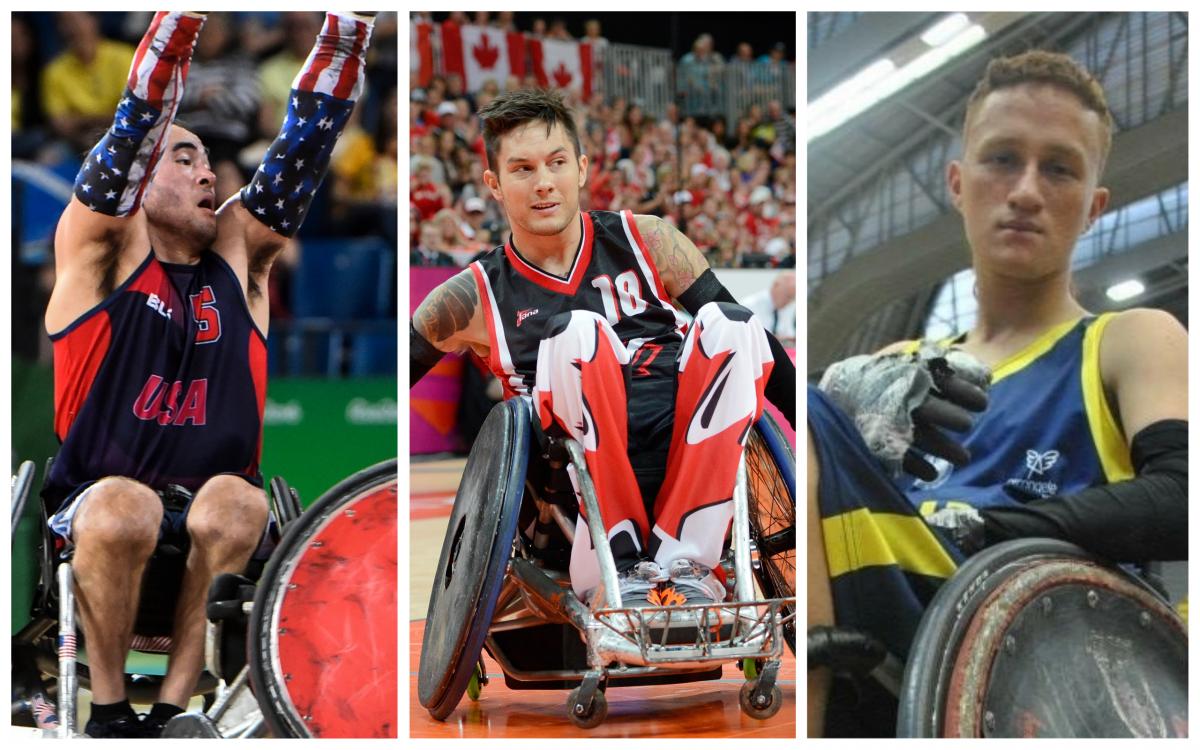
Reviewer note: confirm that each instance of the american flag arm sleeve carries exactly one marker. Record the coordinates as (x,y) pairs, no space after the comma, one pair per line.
(322,98)
(113,178)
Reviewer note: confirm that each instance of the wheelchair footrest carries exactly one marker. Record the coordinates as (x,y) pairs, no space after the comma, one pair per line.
(693,634)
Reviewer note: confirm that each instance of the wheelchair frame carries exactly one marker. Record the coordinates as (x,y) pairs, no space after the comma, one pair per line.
(54,603)
(620,647)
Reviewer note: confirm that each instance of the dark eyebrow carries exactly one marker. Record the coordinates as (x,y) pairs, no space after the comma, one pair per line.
(192,146)
(513,159)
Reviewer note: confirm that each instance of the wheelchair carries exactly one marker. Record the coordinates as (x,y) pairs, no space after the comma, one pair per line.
(47,670)
(501,583)
(311,649)
(1031,638)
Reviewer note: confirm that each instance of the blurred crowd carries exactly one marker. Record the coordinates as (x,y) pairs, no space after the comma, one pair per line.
(70,69)
(730,186)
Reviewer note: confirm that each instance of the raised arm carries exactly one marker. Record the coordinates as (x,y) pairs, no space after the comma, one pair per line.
(687,278)
(254,225)
(101,226)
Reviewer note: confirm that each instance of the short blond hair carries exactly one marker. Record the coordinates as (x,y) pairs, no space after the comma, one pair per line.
(1052,68)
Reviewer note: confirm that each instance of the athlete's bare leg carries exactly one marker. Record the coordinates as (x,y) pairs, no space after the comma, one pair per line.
(225,523)
(820,597)
(115,532)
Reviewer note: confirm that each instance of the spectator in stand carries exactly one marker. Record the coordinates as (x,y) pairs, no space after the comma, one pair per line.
(474,214)
(699,76)
(275,74)
(81,87)
(28,120)
(776,307)
(220,102)
(428,252)
(558,30)
(426,194)
(745,53)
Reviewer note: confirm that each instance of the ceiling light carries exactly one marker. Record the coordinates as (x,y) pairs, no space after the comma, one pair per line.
(945,29)
(1125,290)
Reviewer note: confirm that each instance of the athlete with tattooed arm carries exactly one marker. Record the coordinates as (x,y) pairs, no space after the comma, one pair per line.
(159,319)
(575,312)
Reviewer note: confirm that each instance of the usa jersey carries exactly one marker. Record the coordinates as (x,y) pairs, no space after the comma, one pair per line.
(613,275)
(1048,428)
(164,382)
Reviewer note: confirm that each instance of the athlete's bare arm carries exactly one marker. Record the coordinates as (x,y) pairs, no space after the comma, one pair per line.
(93,254)
(451,317)
(1143,363)
(249,247)
(102,235)
(677,258)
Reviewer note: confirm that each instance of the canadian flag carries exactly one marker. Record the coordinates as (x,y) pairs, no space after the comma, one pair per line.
(420,57)
(481,53)
(562,64)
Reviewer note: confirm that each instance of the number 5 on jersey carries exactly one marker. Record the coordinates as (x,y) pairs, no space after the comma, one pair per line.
(206,315)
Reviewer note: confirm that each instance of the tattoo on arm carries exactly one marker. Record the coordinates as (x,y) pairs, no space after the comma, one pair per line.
(448,309)
(673,253)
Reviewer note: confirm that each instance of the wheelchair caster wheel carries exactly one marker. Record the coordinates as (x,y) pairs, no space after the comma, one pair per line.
(765,709)
(592,716)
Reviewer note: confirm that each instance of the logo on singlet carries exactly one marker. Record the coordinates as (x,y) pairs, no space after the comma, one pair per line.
(1036,463)
(159,401)
(522,315)
(154,302)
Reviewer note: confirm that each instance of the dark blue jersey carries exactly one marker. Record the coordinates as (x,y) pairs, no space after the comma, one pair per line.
(163,382)
(1048,429)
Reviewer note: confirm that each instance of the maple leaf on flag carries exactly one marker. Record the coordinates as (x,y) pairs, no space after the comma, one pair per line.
(563,76)
(485,54)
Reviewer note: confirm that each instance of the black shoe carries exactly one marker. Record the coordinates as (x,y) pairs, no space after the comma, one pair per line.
(152,726)
(123,726)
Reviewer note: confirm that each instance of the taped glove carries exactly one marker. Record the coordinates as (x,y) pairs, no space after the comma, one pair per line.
(901,403)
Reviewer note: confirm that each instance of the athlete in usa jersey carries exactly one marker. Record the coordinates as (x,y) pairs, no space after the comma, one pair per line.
(165,380)
(159,317)
(576,313)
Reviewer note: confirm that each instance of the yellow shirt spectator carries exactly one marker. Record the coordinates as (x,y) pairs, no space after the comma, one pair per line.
(71,87)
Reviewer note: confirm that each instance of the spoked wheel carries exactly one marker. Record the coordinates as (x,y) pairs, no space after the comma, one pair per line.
(474,557)
(771,485)
(323,654)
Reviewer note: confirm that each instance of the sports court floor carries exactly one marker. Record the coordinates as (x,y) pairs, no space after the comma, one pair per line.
(700,709)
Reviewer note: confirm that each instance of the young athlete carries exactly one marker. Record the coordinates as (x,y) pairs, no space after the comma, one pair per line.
(575,312)
(159,319)
(1084,437)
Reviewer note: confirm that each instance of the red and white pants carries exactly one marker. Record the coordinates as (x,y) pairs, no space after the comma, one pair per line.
(580,386)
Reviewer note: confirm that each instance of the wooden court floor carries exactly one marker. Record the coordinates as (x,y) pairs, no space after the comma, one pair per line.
(702,709)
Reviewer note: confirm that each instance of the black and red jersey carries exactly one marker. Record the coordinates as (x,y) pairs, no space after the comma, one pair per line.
(163,382)
(613,275)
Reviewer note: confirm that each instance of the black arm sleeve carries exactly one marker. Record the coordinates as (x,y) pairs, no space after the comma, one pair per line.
(781,385)
(422,355)
(1142,519)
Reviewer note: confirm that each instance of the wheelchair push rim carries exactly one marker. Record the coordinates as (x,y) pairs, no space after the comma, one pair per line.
(771,483)
(474,557)
(323,650)
(981,663)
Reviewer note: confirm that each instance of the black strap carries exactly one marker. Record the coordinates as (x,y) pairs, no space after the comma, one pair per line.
(1144,518)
